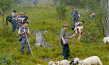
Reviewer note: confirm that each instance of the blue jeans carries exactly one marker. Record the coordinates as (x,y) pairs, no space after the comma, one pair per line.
(75,18)
(66,50)
(14,25)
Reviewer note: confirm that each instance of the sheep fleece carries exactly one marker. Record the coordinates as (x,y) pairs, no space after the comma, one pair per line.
(94,60)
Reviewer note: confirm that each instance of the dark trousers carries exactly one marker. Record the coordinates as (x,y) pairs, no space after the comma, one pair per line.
(75,18)
(19,25)
(14,24)
(23,42)
(66,50)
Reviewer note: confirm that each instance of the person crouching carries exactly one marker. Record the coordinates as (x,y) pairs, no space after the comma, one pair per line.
(24,32)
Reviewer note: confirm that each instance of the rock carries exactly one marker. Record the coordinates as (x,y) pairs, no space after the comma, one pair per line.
(46,59)
(36,31)
(45,31)
(40,40)
(58,37)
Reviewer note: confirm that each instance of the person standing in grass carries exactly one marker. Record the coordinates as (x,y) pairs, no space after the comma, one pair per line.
(24,32)
(19,19)
(64,41)
(35,2)
(26,17)
(14,19)
(75,15)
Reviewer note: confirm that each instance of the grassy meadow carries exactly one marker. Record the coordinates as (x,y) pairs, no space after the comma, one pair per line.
(43,18)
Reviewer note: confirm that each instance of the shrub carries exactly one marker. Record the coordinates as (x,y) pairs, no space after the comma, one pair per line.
(61,10)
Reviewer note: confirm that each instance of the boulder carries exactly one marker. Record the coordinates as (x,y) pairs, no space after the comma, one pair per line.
(40,40)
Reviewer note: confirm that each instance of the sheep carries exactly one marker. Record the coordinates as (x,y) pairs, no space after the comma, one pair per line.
(64,62)
(79,27)
(106,40)
(94,60)
(51,63)
(74,61)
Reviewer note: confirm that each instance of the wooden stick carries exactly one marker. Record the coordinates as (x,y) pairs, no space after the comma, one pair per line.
(29,45)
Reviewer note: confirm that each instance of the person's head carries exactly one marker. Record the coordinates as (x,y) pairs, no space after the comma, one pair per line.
(24,13)
(72,8)
(25,24)
(14,11)
(65,26)
(82,22)
(21,14)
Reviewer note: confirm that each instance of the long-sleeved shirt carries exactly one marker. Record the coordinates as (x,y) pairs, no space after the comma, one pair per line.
(74,13)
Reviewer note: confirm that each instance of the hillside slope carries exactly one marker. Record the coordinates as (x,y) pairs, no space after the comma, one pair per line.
(43,18)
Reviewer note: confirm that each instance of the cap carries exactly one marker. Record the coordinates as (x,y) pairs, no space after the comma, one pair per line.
(65,25)
(21,13)
(24,12)
(14,11)
(25,22)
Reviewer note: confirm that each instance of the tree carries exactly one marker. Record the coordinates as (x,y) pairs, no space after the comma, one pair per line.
(105,10)
(54,3)
(5,5)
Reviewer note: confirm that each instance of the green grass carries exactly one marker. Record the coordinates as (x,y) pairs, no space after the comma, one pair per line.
(43,18)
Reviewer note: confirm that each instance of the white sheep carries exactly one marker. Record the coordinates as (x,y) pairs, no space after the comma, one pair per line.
(74,61)
(64,62)
(106,40)
(79,27)
(51,63)
(94,60)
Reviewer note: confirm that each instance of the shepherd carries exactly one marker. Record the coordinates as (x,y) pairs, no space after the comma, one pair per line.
(24,32)
(65,41)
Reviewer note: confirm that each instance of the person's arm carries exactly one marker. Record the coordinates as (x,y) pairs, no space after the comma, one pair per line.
(63,39)
(76,25)
(28,32)
(20,19)
(19,32)
(77,12)
(28,20)
(15,15)
(71,14)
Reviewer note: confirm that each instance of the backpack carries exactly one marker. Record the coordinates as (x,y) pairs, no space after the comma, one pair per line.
(73,27)
(8,18)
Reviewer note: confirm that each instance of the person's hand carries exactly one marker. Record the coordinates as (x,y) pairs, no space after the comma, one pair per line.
(77,28)
(16,13)
(70,37)
(24,30)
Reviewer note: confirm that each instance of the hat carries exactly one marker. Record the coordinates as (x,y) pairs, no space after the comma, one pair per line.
(25,21)
(21,13)
(82,21)
(14,11)
(72,7)
(65,25)
(24,12)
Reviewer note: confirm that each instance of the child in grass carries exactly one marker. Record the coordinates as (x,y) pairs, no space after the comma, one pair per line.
(64,44)
(24,32)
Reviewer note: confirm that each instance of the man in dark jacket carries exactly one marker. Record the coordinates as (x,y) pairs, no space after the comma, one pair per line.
(75,15)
